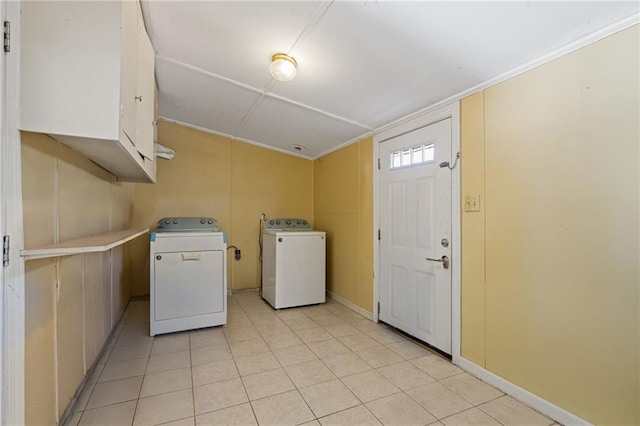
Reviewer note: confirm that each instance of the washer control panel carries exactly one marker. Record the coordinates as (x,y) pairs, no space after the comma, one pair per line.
(288,223)
(187,224)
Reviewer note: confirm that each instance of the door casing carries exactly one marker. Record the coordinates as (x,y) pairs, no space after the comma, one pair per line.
(422,119)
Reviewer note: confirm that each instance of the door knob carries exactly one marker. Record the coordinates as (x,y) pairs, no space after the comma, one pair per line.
(444,260)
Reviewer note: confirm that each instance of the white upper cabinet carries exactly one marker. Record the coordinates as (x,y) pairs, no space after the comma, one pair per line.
(87,79)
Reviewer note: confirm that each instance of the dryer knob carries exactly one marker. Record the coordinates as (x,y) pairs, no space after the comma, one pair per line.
(202,221)
(288,222)
(210,221)
(298,222)
(271,222)
(175,221)
(277,222)
(304,222)
(166,222)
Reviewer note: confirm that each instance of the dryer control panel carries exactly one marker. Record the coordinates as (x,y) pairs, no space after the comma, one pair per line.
(288,223)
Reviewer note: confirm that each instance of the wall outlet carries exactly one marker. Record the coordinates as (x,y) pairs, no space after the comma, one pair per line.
(472,203)
(238,255)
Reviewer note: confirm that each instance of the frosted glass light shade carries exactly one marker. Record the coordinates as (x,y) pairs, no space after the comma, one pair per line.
(283,67)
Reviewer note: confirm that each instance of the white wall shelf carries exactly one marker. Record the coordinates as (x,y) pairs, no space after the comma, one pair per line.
(92,244)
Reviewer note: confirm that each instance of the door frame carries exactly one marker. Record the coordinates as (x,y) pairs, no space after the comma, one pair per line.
(12,305)
(451,111)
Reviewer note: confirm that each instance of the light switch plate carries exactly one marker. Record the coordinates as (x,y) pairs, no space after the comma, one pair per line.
(472,203)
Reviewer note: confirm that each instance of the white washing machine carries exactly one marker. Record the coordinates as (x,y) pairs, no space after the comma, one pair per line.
(293,263)
(188,275)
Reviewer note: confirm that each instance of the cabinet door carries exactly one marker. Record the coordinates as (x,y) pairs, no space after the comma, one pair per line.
(129,78)
(146,93)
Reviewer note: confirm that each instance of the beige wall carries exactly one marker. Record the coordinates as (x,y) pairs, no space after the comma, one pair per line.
(232,181)
(550,285)
(72,302)
(343,207)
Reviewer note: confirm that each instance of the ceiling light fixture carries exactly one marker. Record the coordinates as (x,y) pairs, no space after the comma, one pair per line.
(283,67)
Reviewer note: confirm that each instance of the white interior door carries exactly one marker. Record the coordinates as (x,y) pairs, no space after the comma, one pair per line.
(415,225)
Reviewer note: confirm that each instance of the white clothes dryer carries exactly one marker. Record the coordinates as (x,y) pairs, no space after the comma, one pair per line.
(293,263)
(188,266)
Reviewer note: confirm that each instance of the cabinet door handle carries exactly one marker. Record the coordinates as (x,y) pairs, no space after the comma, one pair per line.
(139,98)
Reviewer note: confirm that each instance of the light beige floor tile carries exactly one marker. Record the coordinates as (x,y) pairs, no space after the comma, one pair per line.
(164,408)
(167,381)
(166,362)
(214,372)
(358,342)
(219,395)
(209,354)
(359,415)
(278,328)
(328,319)
(379,356)
(369,385)
(267,383)
(346,364)
(341,330)
(386,336)
(470,417)
(256,363)
(122,369)
(311,423)
(294,355)
(438,400)
(409,350)
(436,367)
(206,337)
(405,375)
(132,351)
(249,347)
(296,324)
(309,373)
(471,389)
(271,410)
(240,334)
(365,325)
(114,391)
(399,409)
(328,397)
(189,421)
(133,340)
(239,415)
(282,340)
(329,348)
(116,415)
(290,314)
(508,411)
(168,343)
(315,334)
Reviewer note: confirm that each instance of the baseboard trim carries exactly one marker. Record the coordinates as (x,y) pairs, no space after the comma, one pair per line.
(350,305)
(545,407)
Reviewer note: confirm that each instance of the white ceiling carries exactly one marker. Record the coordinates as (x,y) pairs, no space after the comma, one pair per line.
(361,64)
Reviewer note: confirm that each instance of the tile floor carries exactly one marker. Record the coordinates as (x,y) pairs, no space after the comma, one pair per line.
(322,364)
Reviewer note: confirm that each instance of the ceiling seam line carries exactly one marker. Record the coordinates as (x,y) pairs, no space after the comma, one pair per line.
(209,74)
(310,26)
(309,107)
(248,115)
